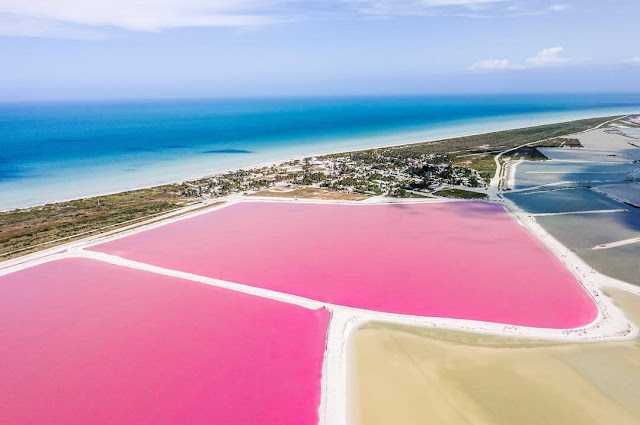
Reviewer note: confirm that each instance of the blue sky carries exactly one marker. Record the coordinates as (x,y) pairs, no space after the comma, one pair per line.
(92,49)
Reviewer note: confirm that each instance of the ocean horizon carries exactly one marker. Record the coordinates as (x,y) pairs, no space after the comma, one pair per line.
(53,151)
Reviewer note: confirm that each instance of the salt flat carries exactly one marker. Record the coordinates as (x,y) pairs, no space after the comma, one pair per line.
(408,375)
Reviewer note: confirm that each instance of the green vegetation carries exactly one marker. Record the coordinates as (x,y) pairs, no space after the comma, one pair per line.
(24,228)
(526,153)
(561,142)
(486,146)
(484,164)
(497,141)
(460,194)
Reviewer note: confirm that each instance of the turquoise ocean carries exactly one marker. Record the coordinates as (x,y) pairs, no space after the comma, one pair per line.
(59,151)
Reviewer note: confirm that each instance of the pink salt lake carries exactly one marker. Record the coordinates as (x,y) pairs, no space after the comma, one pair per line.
(85,342)
(464,260)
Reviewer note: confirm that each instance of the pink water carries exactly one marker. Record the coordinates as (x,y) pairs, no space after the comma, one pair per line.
(82,342)
(467,260)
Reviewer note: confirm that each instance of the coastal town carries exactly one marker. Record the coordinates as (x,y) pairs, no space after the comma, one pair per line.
(454,168)
(369,173)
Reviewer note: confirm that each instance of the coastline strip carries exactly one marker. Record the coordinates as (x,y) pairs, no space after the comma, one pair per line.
(617,210)
(617,243)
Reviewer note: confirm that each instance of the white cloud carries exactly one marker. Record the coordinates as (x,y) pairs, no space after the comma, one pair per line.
(492,64)
(547,57)
(633,60)
(534,8)
(469,8)
(418,7)
(42,16)
(559,7)
(544,58)
(29,27)
(95,18)
(423,4)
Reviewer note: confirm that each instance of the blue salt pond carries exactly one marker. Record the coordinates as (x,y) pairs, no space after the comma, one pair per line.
(538,173)
(592,155)
(589,230)
(627,192)
(582,232)
(564,200)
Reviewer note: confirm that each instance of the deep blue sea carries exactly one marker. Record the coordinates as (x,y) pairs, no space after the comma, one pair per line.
(58,151)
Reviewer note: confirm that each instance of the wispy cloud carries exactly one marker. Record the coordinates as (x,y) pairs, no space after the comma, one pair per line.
(544,58)
(467,8)
(633,60)
(19,26)
(46,17)
(559,7)
(95,18)
(521,9)
(493,64)
(421,7)
(547,57)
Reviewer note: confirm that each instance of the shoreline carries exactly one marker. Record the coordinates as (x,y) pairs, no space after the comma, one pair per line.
(276,162)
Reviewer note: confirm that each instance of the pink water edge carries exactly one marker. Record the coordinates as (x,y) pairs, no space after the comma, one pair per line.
(466,260)
(85,342)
